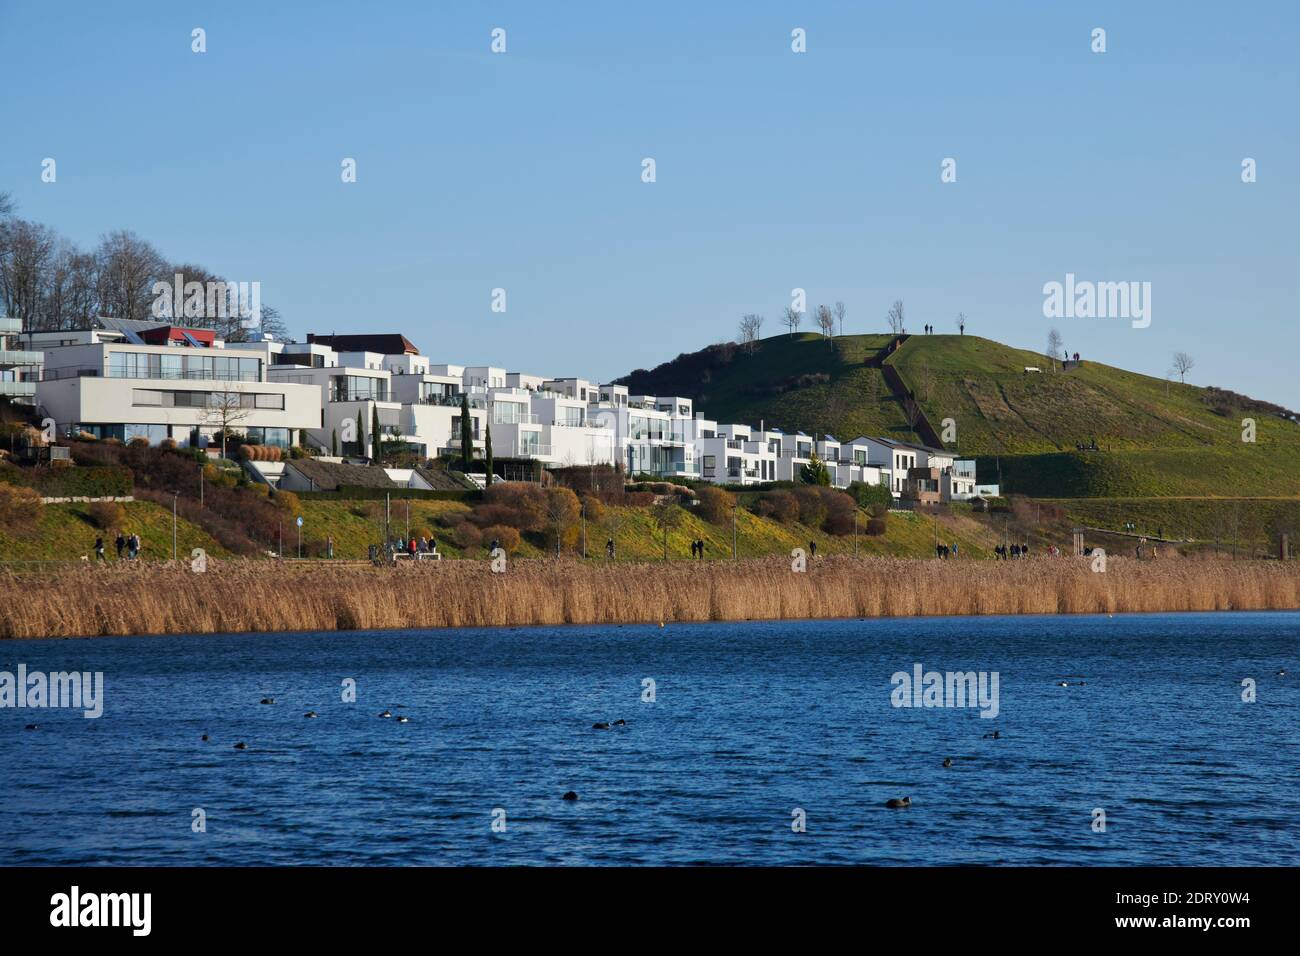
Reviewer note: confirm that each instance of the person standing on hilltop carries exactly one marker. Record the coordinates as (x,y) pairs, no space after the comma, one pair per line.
(99,548)
(120,542)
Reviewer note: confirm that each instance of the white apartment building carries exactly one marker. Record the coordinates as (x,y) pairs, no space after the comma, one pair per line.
(166,382)
(123,379)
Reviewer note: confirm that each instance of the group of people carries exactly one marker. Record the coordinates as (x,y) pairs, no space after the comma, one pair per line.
(1090,446)
(414,546)
(130,544)
(697,549)
(944,551)
(1014,553)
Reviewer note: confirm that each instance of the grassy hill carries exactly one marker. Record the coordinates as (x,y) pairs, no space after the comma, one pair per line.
(65,532)
(1155,437)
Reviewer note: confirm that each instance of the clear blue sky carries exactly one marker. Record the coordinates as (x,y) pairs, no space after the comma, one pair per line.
(775,170)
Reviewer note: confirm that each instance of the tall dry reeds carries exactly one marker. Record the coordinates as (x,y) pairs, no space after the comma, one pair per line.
(241,595)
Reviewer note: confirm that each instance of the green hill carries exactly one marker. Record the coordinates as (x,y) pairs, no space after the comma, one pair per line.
(1154,437)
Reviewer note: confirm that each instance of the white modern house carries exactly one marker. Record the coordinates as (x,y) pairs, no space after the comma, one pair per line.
(167,382)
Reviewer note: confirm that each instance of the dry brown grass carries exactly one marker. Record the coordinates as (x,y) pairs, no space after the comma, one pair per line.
(260,596)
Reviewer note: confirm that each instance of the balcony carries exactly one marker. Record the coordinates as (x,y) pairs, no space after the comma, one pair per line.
(10,326)
(530,450)
(14,357)
(18,389)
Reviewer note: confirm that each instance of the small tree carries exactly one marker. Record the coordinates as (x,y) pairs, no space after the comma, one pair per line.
(561,509)
(791,319)
(226,409)
(826,321)
(897,321)
(466,433)
(1183,363)
(840,312)
(751,327)
(376,433)
(361,435)
(912,412)
(667,515)
(814,471)
(961,323)
(1053,346)
(334,442)
(487,453)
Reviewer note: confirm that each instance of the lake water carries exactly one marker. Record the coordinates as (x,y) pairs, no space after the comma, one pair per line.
(749,722)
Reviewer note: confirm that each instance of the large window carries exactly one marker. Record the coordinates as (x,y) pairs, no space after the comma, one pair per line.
(507,413)
(173,366)
(279,437)
(155,398)
(358,388)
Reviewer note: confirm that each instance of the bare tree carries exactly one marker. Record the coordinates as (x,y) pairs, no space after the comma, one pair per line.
(1053,346)
(961,323)
(751,327)
(7,205)
(667,515)
(1183,363)
(226,409)
(128,268)
(561,509)
(912,413)
(27,253)
(840,312)
(791,319)
(826,321)
(897,323)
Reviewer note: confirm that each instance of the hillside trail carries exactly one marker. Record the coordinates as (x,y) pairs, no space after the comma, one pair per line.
(924,430)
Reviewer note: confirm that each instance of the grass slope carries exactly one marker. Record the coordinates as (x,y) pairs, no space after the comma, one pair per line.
(637,538)
(65,532)
(1156,437)
(999,409)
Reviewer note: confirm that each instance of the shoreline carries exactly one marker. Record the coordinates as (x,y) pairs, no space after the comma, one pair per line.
(262,597)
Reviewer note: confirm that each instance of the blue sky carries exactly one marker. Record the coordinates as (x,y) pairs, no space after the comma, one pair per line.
(775,170)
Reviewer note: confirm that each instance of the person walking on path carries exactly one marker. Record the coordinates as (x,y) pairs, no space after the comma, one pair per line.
(99,548)
(121,544)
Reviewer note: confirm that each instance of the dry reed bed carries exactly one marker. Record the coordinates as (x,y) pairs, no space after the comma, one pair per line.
(265,596)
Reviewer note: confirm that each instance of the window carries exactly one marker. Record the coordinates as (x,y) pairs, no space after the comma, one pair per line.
(145,396)
(358,388)
(507,413)
(269,401)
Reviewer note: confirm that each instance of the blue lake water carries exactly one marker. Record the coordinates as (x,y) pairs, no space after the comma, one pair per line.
(749,722)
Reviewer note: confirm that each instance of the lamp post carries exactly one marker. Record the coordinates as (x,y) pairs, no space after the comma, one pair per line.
(175,495)
(733,533)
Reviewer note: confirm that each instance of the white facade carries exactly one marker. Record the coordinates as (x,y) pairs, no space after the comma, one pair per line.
(20,368)
(116,389)
(330,400)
